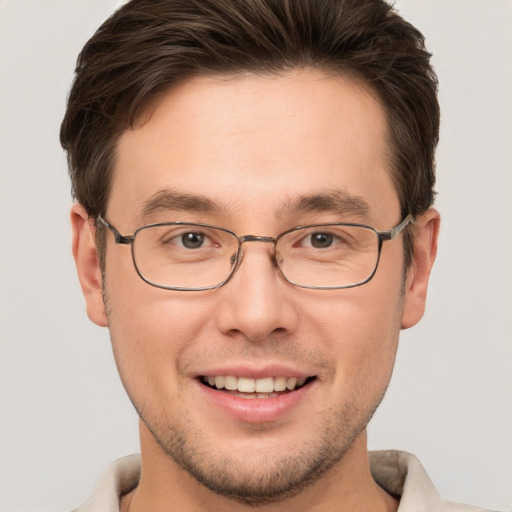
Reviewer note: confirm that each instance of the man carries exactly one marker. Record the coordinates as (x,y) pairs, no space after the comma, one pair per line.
(254,224)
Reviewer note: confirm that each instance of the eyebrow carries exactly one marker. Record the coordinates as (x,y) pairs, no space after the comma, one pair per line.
(168,199)
(337,201)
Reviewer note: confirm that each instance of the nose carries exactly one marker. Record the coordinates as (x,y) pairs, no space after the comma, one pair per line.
(257,302)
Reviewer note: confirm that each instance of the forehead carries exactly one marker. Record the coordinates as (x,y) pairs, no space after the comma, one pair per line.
(254,143)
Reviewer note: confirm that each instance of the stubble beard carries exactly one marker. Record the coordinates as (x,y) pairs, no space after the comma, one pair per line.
(264,478)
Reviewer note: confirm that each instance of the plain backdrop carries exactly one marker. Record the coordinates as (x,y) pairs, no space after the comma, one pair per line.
(63,413)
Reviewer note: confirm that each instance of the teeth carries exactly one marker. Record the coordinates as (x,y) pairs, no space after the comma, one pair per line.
(291,383)
(265,385)
(280,383)
(260,387)
(231,383)
(246,385)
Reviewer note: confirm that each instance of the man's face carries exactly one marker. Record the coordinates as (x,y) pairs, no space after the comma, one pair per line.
(253,146)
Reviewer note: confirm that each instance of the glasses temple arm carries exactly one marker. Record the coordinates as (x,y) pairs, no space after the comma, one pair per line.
(393,232)
(118,238)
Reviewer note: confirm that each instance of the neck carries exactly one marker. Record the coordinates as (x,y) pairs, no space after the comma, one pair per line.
(348,486)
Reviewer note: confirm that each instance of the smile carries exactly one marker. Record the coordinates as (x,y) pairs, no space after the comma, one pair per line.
(256,396)
(245,387)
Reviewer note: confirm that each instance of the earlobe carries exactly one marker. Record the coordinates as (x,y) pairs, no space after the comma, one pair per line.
(87,264)
(426,234)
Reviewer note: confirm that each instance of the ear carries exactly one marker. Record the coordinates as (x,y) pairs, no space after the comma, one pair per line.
(425,232)
(87,263)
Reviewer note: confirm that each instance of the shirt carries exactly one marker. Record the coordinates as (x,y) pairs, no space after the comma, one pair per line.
(398,473)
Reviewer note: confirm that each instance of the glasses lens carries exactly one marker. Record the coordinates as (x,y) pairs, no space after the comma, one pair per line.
(191,256)
(328,256)
(185,256)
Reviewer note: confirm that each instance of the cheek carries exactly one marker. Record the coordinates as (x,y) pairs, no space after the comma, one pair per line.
(151,329)
(361,329)
(139,312)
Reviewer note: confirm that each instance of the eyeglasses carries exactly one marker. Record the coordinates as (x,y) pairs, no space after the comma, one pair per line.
(193,257)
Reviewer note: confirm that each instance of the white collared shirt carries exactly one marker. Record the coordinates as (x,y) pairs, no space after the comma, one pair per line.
(399,473)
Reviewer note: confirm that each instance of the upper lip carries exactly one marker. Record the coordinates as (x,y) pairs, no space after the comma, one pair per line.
(254,372)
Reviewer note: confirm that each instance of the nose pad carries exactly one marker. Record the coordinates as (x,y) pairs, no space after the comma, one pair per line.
(236,260)
(237,257)
(277,260)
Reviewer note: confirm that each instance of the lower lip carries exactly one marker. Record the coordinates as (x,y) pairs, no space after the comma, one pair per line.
(256,410)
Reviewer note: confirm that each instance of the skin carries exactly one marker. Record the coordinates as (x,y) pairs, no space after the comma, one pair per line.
(251,145)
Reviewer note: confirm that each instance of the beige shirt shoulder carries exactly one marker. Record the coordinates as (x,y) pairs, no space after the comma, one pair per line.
(399,473)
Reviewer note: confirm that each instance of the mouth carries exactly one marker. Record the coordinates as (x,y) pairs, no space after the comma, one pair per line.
(248,388)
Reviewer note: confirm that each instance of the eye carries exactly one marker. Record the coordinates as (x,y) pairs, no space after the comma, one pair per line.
(185,239)
(192,240)
(321,240)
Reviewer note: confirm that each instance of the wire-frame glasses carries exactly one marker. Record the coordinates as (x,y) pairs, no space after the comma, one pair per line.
(193,257)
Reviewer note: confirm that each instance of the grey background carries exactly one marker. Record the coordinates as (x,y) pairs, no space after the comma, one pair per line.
(63,413)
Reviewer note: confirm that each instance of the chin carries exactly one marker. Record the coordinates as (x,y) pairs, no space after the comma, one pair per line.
(261,470)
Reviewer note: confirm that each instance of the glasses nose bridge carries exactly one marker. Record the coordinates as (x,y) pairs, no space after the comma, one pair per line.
(256,238)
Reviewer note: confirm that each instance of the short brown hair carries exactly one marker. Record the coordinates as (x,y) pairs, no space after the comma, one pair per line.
(148,45)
